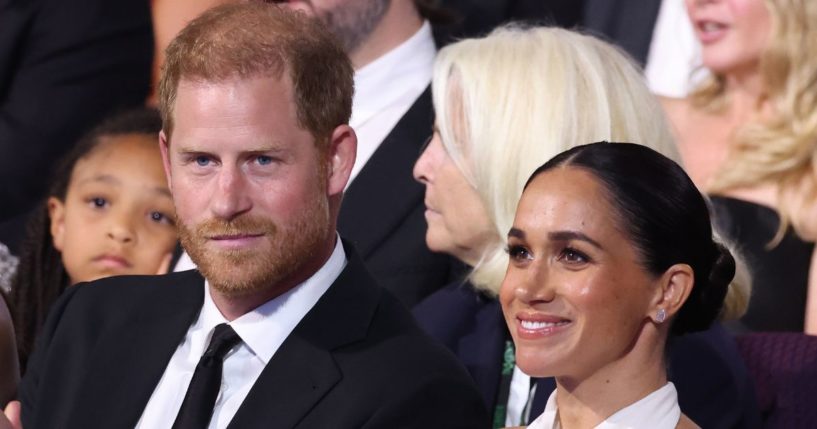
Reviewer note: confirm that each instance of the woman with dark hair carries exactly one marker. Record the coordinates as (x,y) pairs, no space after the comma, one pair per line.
(505,104)
(610,254)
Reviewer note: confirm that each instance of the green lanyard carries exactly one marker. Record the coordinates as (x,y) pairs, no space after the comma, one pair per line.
(508,363)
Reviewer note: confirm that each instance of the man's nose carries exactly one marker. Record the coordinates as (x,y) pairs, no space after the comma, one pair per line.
(230,196)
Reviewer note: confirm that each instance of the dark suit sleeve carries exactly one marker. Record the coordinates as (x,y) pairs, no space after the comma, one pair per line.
(64,65)
(445,402)
(714,387)
(28,392)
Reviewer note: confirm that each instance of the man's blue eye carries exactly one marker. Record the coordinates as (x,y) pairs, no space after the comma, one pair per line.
(202,160)
(264,160)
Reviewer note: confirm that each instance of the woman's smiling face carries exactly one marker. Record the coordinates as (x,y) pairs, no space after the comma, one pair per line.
(576,295)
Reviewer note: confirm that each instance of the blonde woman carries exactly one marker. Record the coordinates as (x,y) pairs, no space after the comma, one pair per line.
(505,104)
(748,137)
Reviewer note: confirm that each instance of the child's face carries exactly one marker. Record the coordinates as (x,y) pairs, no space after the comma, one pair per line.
(117,217)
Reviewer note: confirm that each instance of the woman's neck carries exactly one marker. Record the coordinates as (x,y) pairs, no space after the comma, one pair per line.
(586,402)
(746,94)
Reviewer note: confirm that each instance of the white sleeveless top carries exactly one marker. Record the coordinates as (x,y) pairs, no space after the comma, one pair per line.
(658,410)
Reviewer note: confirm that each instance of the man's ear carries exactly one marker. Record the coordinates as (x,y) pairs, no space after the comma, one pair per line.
(340,159)
(164,147)
(675,285)
(56,216)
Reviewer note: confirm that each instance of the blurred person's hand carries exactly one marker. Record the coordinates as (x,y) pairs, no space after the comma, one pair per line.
(10,418)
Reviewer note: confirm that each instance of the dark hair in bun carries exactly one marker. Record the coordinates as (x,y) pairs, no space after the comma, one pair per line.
(665,216)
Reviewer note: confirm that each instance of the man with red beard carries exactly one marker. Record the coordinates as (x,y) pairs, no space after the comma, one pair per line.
(282,327)
(392,47)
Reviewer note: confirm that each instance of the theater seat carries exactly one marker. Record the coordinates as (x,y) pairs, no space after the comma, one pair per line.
(784,367)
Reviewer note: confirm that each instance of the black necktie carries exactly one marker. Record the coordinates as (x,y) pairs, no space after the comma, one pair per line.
(197,408)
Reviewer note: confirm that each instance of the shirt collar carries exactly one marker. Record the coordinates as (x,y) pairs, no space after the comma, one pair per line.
(380,82)
(658,410)
(265,328)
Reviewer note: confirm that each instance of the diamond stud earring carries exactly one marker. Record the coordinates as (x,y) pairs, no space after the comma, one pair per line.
(661,315)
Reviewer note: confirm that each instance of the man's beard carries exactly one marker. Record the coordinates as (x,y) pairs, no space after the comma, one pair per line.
(353,23)
(239,272)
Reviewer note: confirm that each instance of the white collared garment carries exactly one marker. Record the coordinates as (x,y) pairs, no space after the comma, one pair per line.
(262,332)
(658,410)
(386,88)
(518,398)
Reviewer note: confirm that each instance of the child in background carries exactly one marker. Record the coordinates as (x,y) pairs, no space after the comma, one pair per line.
(109,212)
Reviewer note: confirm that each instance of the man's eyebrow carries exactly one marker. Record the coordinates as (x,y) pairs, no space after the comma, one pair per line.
(260,148)
(573,235)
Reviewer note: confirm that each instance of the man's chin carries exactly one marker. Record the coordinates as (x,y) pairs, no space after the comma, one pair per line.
(234,289)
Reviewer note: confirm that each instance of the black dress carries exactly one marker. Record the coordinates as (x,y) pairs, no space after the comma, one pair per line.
(779,274)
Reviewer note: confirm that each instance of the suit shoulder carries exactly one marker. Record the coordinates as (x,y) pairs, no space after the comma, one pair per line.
(128,291)
(138,284)
(409,349)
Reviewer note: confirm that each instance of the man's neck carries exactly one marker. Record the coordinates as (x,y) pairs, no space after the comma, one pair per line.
(400,22)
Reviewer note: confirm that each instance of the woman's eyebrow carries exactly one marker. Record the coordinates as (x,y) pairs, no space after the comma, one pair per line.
(573,235)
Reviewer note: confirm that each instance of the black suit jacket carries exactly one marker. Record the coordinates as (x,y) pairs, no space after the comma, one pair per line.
(714,386)
(627,23)
(476,18)
(357,360)
(383,212)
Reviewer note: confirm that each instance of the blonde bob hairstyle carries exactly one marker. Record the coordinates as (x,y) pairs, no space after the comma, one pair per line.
(782,148)
(510,101)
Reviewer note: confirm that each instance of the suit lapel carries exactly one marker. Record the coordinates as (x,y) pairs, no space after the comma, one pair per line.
(128,364)
(384,192)
(481,351)
(303,370)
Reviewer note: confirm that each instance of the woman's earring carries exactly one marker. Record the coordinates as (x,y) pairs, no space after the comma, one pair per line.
(661,315)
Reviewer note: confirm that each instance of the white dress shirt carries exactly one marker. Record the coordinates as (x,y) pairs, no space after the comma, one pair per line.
(674,60)
(262,332)
(519,397)
(658,410)
(386,88)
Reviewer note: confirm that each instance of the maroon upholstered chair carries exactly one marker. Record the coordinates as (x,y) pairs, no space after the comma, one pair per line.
(784,367)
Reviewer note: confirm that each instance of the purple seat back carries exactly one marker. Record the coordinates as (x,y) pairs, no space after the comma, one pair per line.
(784,368)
